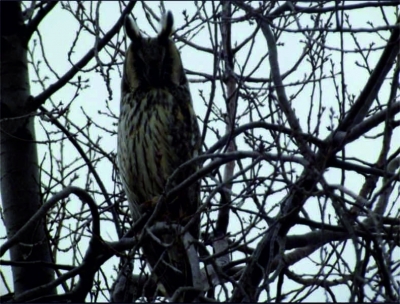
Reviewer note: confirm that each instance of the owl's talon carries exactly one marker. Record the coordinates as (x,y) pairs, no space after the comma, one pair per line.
(148,205)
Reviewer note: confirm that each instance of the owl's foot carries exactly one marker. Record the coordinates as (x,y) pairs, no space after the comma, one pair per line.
(148,205)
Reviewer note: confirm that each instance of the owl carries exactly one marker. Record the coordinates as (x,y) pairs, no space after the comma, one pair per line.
(158,132)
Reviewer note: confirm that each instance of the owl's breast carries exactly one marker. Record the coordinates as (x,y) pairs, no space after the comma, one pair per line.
(153,140)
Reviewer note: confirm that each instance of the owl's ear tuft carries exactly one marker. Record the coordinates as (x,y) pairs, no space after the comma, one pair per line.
(167,25)
(131,29)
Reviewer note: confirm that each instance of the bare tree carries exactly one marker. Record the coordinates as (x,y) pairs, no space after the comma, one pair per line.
(298,104)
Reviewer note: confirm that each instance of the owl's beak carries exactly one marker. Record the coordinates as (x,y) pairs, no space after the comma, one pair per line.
(154,75)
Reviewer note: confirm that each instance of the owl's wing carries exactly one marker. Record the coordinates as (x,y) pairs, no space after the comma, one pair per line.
(186,145)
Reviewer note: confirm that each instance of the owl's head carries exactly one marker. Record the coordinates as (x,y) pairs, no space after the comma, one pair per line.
(152,62)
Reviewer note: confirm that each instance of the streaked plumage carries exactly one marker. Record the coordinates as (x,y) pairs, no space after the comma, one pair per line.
(157,132)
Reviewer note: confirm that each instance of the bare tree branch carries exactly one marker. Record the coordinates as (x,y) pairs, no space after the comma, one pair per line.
(39,100)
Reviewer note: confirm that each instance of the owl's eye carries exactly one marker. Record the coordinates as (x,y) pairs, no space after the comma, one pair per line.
(141,56)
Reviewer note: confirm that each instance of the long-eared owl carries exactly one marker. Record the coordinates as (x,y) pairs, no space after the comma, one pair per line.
(158,132)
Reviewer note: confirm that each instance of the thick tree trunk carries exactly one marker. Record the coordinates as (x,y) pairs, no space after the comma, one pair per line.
(19,172)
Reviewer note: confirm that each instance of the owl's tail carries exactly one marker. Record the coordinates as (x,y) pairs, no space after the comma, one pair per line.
(171,266)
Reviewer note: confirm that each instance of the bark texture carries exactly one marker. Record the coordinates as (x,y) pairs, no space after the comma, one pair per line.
(19,171)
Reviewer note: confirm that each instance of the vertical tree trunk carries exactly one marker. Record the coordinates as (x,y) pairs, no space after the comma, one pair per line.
(20,184)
